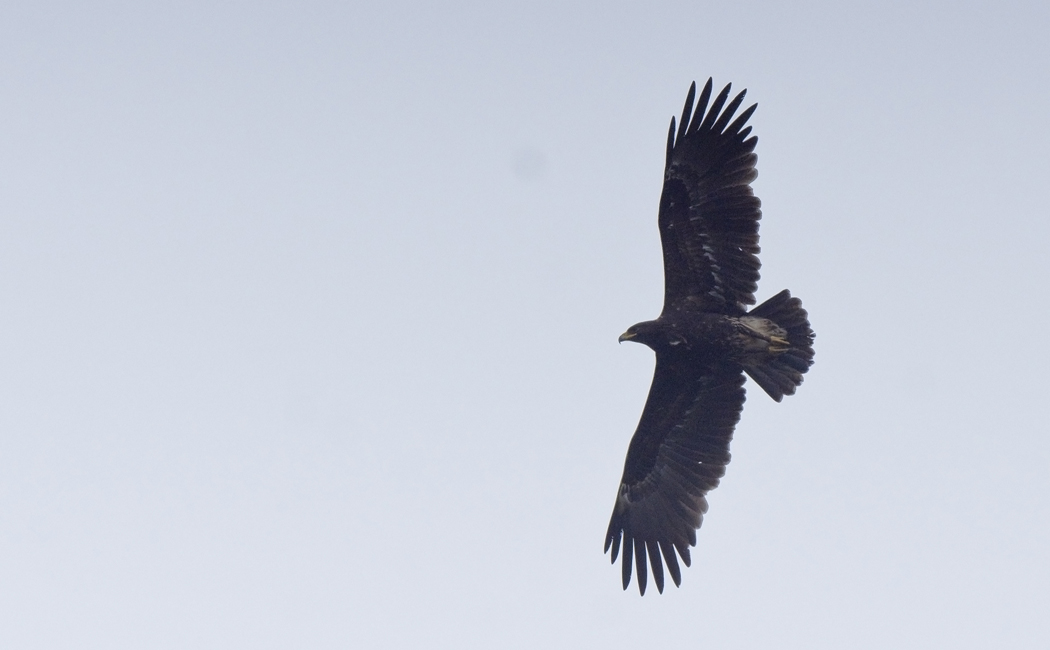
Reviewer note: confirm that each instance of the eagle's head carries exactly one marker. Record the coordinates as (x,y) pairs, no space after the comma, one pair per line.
(656,334)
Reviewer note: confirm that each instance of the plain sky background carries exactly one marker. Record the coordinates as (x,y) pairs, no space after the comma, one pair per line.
(308,320)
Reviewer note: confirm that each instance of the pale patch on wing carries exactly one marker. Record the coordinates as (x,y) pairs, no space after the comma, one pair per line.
(717,291)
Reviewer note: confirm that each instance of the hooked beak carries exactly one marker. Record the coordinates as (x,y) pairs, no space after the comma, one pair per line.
(626,336)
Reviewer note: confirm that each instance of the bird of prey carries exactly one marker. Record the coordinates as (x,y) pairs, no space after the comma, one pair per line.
(705,339)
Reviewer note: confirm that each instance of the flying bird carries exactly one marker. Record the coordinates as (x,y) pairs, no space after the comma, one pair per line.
(705,339)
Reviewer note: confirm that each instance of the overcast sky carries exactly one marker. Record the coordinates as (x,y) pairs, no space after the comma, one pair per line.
(308,321)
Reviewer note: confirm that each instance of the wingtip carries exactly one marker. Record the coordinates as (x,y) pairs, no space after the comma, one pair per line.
(686,111)
(701,106)
(656,565)
(686,558)
(613,540)
(640,568)
(670,144)
(738,124)
(716,107)
(627,562)
(672,564)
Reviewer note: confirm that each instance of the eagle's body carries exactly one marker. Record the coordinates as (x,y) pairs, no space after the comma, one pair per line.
(705,339)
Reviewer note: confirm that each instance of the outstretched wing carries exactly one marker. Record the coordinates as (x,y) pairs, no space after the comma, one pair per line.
(677,455)
(708,213)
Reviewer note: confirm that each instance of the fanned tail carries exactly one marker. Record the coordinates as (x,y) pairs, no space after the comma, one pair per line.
(782,374)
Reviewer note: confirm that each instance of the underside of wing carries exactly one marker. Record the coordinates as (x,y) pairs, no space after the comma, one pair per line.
(677,455)
(708,212)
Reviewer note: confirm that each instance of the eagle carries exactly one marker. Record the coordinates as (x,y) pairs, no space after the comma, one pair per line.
(706,339)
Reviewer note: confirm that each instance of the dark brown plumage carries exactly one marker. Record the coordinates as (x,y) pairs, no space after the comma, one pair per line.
(705,339)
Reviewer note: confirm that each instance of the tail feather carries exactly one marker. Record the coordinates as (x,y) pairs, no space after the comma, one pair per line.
(782,374)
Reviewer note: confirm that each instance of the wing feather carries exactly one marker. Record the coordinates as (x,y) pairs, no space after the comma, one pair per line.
(701,105)
(727,114)
(716,106)
(708,212)
(687,110)
(677,455)
(672,563)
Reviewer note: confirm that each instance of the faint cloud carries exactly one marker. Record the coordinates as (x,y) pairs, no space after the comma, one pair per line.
(529,164)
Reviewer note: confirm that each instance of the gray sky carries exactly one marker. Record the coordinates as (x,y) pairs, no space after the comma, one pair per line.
(308,320)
